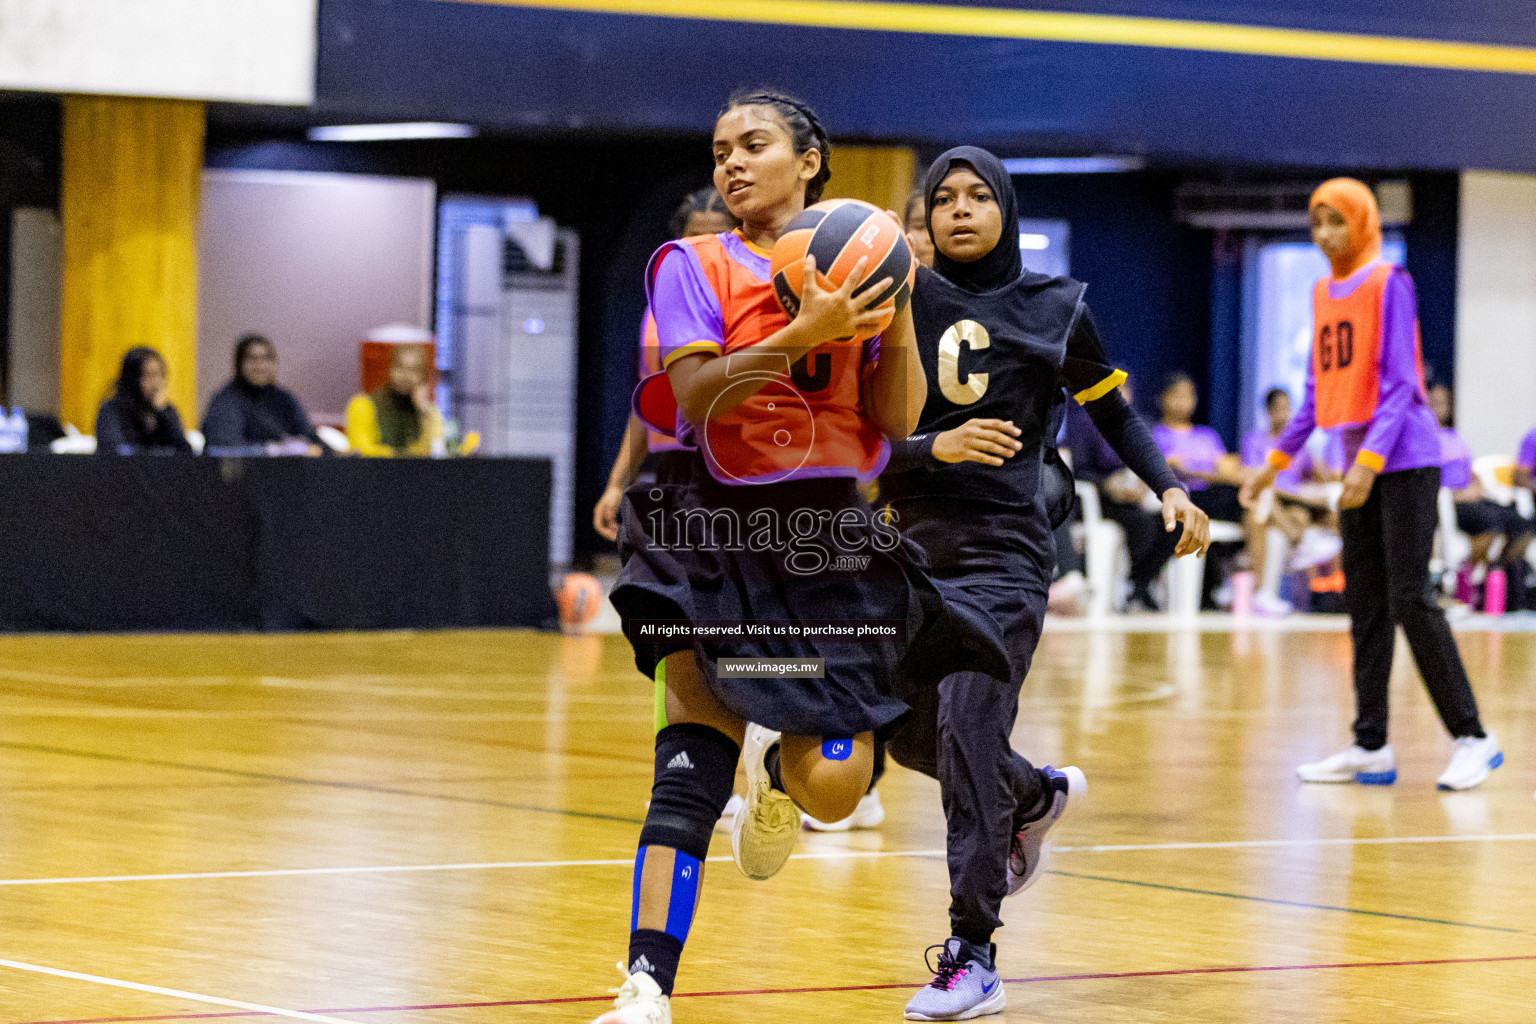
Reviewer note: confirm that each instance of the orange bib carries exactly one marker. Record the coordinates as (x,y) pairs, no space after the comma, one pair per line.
(1346,350)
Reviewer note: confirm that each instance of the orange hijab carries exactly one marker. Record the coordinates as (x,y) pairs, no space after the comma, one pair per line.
(1357,205)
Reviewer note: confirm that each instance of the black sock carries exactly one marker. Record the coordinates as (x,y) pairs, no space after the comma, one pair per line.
(655,953)
(981,948)
(771,763)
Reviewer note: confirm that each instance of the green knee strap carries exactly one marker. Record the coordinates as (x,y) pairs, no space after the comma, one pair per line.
(659,713)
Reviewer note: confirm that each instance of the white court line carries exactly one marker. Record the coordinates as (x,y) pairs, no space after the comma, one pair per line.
(1239,844)
(174,993)
(1260,844)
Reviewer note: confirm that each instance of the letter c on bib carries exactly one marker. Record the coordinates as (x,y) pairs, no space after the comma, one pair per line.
(975,337)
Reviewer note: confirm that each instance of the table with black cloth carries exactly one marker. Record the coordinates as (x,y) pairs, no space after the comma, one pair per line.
(152,543)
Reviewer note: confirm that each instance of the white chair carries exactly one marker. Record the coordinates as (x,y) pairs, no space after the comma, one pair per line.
(1185,577)
(334,439)
(1103,545)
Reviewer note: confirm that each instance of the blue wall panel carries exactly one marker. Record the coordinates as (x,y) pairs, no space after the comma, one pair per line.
(533,69)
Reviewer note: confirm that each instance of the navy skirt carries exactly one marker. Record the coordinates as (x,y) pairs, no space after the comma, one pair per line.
(798,552)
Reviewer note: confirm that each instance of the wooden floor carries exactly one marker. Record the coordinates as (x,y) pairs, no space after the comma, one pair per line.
(438,828)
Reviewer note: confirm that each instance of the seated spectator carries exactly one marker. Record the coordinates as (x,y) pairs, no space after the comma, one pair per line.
(1300,509)
(139,418)
(399,418)
(1125,500)
(1525,462)
(251,415)
(1478,516)
(915,219)
(1203,463)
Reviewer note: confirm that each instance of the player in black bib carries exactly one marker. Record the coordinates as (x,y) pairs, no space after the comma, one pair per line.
(980,488)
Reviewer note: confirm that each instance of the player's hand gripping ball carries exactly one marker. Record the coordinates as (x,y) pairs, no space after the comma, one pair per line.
(840,232)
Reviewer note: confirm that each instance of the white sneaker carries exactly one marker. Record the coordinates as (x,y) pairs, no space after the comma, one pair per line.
(1473,760)
(639,1002)
(1367,767)
(1317,546)
(728,816)
(869,814)
(1270,606)
(768,823)
(1027,852)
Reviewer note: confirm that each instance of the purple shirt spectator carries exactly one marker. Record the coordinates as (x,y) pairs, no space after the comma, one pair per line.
(1527,457)
(1403,431)
(1197,449)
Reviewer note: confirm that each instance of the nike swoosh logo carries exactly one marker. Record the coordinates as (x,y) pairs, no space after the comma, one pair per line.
(986,990)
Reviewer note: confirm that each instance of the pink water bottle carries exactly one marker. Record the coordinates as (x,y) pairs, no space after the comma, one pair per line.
(1242,594)
(1464,585)
(1494,590)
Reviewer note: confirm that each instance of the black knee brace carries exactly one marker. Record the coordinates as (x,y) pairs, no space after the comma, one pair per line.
(695,774)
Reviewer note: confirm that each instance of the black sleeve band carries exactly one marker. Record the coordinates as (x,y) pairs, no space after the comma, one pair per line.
(1128,435)
(909,453)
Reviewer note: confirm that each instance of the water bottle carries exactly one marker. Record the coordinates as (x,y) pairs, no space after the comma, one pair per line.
(1242,594)
(1494,590)
(14,438)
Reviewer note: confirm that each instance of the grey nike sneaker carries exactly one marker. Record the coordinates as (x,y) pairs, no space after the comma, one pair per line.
(1027,856)
(965,984)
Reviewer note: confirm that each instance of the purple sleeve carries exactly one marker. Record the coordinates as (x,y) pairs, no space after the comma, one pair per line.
(1527,457)
(1399,372)
(1455,461)
(1303,420)
(686,309)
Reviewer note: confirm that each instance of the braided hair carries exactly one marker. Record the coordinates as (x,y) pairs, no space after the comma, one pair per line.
(705,200)
(805,130)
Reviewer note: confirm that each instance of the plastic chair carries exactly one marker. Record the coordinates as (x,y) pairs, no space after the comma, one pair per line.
(1103,545)
(1497,475)
(1185,577)
(1454,545)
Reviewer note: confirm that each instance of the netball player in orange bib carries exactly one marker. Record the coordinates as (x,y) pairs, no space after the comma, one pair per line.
(1366,380)
(767,530)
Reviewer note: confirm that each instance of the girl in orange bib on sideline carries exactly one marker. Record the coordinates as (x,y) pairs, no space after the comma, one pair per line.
(1366,380)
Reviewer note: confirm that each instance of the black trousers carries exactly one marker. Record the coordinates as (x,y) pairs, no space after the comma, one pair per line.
(999,560)
(1146,541)
(1387,545)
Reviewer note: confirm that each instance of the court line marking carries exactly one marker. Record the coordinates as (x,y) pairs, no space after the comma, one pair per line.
(406,868)
(1284,903)
(323,783)
(382,869)
(1038,979)
(1262,844)
(175,993)
(1069,27)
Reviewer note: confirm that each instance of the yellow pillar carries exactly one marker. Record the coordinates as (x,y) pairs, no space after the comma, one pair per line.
(128,203)
(876,174)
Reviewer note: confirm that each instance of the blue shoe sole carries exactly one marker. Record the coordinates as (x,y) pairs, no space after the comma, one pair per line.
(1497,761)
(1376,778)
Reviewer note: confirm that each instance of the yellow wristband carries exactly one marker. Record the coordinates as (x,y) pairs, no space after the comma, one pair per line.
(1278,459)
(1370,460)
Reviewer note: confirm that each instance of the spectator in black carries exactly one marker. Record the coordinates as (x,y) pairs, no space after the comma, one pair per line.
(252,415)
(139,418)
(1124,499)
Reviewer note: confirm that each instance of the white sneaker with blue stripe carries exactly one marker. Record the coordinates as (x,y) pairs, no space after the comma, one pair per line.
(965,984)
(1473,760)
(1356,764)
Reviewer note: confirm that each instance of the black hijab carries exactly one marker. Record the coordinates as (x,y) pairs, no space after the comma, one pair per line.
(130,387)
(1003,265)
(244,345)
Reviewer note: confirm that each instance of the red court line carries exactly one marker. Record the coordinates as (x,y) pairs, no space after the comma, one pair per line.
(1106,976)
